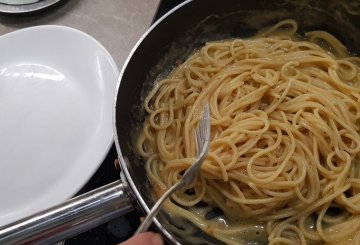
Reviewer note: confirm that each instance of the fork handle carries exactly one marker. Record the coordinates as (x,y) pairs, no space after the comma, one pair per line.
(144,226)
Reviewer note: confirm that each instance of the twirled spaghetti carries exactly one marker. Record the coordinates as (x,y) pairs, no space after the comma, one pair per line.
(284,152)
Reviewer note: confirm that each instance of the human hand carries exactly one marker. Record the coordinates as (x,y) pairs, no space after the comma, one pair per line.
(149,238)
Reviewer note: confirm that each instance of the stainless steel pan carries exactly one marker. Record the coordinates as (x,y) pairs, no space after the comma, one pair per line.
(168,41)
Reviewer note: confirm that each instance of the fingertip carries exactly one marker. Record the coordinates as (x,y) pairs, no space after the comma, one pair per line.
(157,239)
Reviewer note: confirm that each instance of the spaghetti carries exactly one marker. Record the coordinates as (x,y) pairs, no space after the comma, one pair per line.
(284,159)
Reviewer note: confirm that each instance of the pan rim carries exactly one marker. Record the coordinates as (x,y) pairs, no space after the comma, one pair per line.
(126,177)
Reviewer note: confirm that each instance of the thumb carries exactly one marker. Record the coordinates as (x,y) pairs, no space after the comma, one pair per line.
(148,238)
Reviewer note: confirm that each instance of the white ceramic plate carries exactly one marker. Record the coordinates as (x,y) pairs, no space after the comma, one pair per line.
(57,88)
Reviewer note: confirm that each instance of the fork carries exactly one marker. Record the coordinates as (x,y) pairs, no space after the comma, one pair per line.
(202,143)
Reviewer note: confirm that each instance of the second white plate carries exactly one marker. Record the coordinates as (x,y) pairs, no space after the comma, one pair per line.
(24,6)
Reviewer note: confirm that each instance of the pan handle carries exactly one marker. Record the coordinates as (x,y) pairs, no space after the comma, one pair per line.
(72,217)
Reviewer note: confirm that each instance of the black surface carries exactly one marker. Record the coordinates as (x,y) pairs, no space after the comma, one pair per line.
(108,233)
